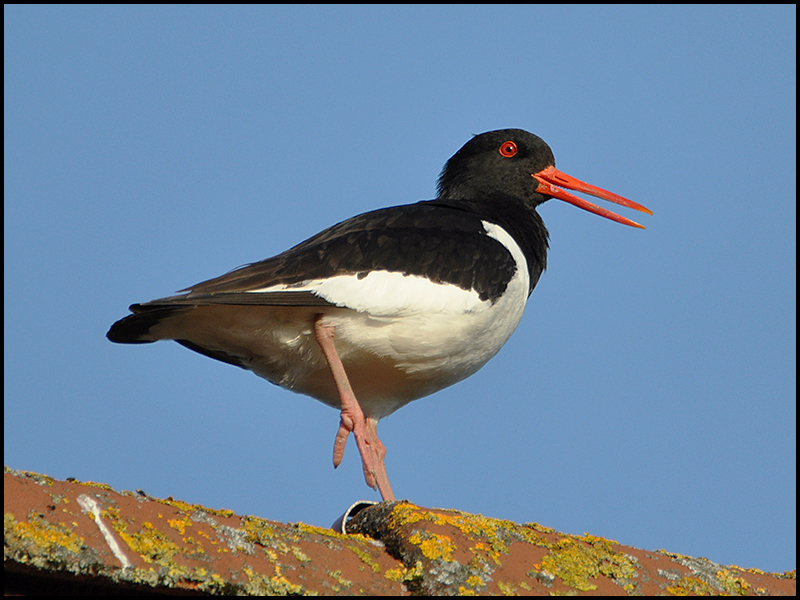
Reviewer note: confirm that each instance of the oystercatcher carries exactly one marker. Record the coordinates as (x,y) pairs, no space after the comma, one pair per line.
(390,305)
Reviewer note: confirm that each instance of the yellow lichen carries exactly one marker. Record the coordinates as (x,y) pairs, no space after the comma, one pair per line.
(180,524)
(434,546)
(470,525)
(540,528)
(527,533)
(190,508)
(575,559)
(300,555)
(405,575)
(258,530)
(576,564)
(690,585)
(198,547)
(151,544)
(481,549)
(110,512)
(277,585)
(732,584)
(507,589)
(320,531)
(395,574)
(366,558)
(337,576)
(593,539)
(102,486)
(573,563)
(45,536)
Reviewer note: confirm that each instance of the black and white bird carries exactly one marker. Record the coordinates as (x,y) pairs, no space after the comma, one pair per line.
(391,305)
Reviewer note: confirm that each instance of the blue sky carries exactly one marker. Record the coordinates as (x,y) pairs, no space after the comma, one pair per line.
(648,394)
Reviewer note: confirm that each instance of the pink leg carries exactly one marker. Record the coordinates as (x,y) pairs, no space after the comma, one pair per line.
(352,419)
(381,478)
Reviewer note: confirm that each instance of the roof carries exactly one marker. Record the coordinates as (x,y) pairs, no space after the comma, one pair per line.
(79,537)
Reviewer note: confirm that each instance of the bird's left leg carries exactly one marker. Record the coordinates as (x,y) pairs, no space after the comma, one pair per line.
(352,418)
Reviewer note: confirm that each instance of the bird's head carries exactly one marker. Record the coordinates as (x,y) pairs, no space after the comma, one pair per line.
(515,163)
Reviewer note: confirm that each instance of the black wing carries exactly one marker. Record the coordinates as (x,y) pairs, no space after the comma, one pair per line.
(441,243)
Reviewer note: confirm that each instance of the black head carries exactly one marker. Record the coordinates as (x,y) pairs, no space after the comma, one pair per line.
(515,164)
(496,162)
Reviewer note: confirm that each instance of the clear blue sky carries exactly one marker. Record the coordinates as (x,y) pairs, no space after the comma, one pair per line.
(649,392)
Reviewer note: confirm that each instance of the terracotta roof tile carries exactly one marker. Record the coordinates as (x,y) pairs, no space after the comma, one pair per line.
(71,536)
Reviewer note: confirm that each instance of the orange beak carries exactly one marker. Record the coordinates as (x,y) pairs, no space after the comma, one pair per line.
(551,177)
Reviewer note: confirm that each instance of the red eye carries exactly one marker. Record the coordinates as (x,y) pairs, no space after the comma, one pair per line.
(508,149)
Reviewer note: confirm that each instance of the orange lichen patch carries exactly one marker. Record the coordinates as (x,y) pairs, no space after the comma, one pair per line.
(180,524)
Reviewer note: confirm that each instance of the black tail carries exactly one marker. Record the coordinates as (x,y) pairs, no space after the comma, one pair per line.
(135,328)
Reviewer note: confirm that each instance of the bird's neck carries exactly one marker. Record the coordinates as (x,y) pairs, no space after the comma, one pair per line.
(518,217)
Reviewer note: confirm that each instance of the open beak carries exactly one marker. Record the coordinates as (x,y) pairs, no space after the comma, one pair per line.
(551,177)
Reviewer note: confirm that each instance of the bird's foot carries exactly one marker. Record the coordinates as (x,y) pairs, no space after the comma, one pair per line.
(370,447)
(351,420)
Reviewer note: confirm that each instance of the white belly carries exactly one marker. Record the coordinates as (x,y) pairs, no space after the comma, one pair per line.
(402,337)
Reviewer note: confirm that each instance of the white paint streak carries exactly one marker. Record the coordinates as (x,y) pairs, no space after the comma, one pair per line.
(91,506)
